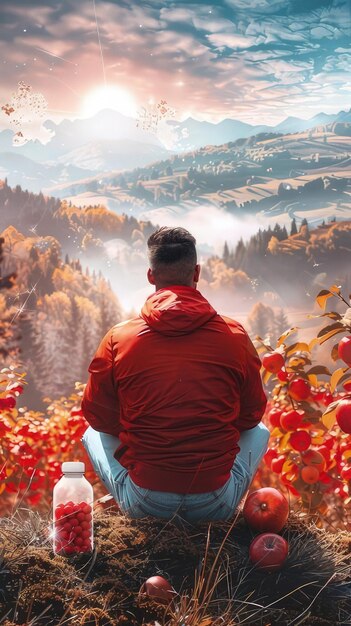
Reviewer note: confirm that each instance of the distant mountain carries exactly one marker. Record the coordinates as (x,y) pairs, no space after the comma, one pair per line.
(72,134)
(20,170)
(79,149)
(110,141)
(297,125)
(343,116)
(292,125)
(195,134)
(106,155)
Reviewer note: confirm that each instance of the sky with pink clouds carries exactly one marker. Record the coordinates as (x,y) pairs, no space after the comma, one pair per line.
(258,61)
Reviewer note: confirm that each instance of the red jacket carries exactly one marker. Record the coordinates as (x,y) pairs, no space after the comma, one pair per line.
(177,385)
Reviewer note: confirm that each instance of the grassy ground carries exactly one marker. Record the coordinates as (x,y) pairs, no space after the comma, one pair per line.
(207,565)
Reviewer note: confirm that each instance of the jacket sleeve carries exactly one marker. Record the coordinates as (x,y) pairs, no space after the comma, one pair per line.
(252,396)
(100,404)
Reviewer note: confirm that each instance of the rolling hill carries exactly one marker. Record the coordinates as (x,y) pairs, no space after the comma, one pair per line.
(275,176)
(112,141)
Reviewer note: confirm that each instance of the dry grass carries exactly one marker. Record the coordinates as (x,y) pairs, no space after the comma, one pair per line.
(207,565)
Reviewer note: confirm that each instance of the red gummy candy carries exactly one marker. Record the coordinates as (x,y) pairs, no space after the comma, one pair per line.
(73,528)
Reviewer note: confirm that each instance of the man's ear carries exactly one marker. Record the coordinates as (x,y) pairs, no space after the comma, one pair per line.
(197,273)
(150,276)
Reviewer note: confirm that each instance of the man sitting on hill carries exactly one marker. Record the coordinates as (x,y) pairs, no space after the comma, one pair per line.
(175,399)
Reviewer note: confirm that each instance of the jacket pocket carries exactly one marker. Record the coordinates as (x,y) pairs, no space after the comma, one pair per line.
(121,450)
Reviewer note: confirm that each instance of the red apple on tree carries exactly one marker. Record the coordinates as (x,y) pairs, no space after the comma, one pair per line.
(274,416)
(325,452)
(7,403)
(277,464)
(273,362)
(269,551)
(266,509)
(343,415)
(310,474)
(344,350)
(269,456)
(299,389)
(283,375)
(291,420)
(315,459)
(300,440)
(346,472)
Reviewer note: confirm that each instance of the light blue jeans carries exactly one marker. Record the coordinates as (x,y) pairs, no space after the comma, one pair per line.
(137,502)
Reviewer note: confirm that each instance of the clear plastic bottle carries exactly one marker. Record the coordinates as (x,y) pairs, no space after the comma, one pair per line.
(73,511)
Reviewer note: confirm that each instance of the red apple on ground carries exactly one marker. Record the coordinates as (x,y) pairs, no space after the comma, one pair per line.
(266,509)
(159,589)
(344,350)
(273,362)
(269,551)
(343,415)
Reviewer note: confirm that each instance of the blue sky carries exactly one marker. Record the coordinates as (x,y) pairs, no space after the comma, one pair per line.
(254,60)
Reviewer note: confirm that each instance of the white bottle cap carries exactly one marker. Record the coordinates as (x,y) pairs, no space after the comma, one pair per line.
(73,467)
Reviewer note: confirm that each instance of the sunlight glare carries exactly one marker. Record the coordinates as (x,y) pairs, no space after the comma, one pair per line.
(109,97)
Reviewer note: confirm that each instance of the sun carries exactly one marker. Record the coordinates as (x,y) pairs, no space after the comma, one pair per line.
(109,97)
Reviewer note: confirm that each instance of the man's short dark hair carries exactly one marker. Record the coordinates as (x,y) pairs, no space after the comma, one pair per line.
(172,255)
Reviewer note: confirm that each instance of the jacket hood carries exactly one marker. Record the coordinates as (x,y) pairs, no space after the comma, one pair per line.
(177,310)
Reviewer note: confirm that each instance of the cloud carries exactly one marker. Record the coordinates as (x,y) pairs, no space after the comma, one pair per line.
(233,41)
(341,62)
(206,223)
(259,6)
(211,58)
